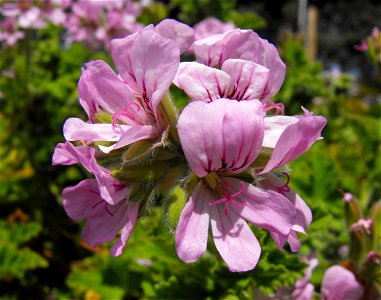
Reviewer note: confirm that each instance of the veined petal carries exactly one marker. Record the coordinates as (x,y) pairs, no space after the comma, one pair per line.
(79,200)
(68,154)
(148,63)
(265,54)
(177,31)
(296,139)
(100,86)
(243,44)
(132,213)
(223,135)
(303,217)
(264,208)
(78,130)
(274,127)
(212,50)
(202,83)
(111,190)
(234,240)
(192,230)
(248,79)
(133,134)
(104,224)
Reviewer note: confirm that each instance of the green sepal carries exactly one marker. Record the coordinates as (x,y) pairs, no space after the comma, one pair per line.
(141,172)
(103,117)
(263,158)
(352,212)
(171,115)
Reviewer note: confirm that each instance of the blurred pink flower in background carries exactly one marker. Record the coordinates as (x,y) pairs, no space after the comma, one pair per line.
(97,22)
(303,288)
(340,284)
(211,26)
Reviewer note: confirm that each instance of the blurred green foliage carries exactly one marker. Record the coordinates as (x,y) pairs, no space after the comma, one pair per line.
(41,249)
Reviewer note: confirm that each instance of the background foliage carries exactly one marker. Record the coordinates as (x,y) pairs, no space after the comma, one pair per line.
(41,249)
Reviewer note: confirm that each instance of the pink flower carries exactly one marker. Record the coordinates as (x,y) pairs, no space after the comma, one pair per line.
(102,202)
(238,79)
(223,138)
(211,26)
(147,63)
(340,284)
(9,32)
(303,288)
(242,44)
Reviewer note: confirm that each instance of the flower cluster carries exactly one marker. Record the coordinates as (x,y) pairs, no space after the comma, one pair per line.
(102,20)
(93,22)
(220,163)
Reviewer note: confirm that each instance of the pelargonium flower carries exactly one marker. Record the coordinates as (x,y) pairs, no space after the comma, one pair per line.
(147,63)
(303,288)
(221,139)
(213,51)
(340,284)
(223,151)
(103,201)
(9,33)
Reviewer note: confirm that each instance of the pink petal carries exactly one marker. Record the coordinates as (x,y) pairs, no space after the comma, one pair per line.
(78,200)
(211,26)
(177,31)
(111,190)
(192,230)
(267,55)
(100,86)
(210,50)
(104,224)
(148,63)
(296,139)
(274,127)
(243,44)
(264,208)
(202,83)
(78,130)
(234,240)
(135,133)
(249,79)
(132,213)
(68,154)
(340,284)
(223,135)
(303,212)
(304,294)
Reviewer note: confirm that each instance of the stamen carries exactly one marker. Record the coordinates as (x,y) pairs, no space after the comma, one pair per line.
(125,113)
(228,197)
(279,107)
